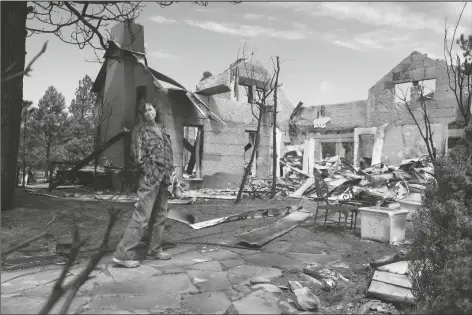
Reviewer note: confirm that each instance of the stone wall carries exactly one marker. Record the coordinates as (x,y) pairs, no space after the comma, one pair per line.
(382,107)
(344,116)
(405,142)
(223,150)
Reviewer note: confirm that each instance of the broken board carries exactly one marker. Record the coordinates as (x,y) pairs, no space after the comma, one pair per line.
(390,292)
(392,278)
(182,201)
(185,218)
(261,236)
(310,181)
(400,267)
(215,196)
(252,214)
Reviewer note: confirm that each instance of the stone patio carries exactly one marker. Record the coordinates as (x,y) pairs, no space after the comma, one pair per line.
(198,279)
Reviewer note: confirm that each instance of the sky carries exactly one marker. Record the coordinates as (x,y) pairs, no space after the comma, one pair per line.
(330,52)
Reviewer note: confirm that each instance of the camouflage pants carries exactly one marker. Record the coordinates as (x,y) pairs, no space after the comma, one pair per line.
(148,220)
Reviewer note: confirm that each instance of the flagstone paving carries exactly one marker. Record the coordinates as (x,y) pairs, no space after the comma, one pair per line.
(198,279)
(205,280)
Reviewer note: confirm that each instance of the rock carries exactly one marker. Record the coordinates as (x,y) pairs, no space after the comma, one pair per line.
(339,264)
(312,281)
(198,280)
(243,273)
(306,300)
(325,275)
(294,285)
(267,287)
(319,273)
(259,280)
(329,284)
(376,306)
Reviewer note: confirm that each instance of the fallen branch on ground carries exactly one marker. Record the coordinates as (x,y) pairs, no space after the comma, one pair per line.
(52,220)
(25,243)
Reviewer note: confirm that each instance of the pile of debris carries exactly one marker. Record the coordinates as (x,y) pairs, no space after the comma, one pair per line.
(377,184)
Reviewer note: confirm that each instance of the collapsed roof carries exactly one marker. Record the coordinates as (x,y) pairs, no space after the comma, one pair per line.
(250,72)
(157,76)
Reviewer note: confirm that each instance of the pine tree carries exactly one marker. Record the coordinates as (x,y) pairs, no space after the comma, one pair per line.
(83,122)
(50,122)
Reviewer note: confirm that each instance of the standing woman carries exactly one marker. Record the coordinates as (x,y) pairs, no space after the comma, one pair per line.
(152,150)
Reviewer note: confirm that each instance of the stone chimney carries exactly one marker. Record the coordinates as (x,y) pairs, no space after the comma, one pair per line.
(129,35)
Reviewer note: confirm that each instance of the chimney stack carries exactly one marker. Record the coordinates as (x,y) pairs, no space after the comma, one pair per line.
(129,35)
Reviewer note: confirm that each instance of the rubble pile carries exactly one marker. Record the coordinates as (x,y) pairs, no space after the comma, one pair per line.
(372,185)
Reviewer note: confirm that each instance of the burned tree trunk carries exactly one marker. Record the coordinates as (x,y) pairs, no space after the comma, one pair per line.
(253,154)
(13,61)
(274,132)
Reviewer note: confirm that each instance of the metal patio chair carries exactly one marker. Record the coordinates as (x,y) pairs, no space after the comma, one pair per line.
(330,207)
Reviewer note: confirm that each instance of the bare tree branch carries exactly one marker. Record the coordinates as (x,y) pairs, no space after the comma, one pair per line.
(28,68)
(274,132)
(427,135)
(455,75)
(260,100)
(59,289)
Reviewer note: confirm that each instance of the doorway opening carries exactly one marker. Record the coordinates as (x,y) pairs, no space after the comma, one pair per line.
(193,150)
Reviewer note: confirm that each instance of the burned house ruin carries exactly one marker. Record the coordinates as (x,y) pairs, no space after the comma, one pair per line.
(353,129)
(212,129)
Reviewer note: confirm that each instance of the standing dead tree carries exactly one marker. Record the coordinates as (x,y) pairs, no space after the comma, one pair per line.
(274,130)
(415,95)
(459,72)
(459,69)
(259,88)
